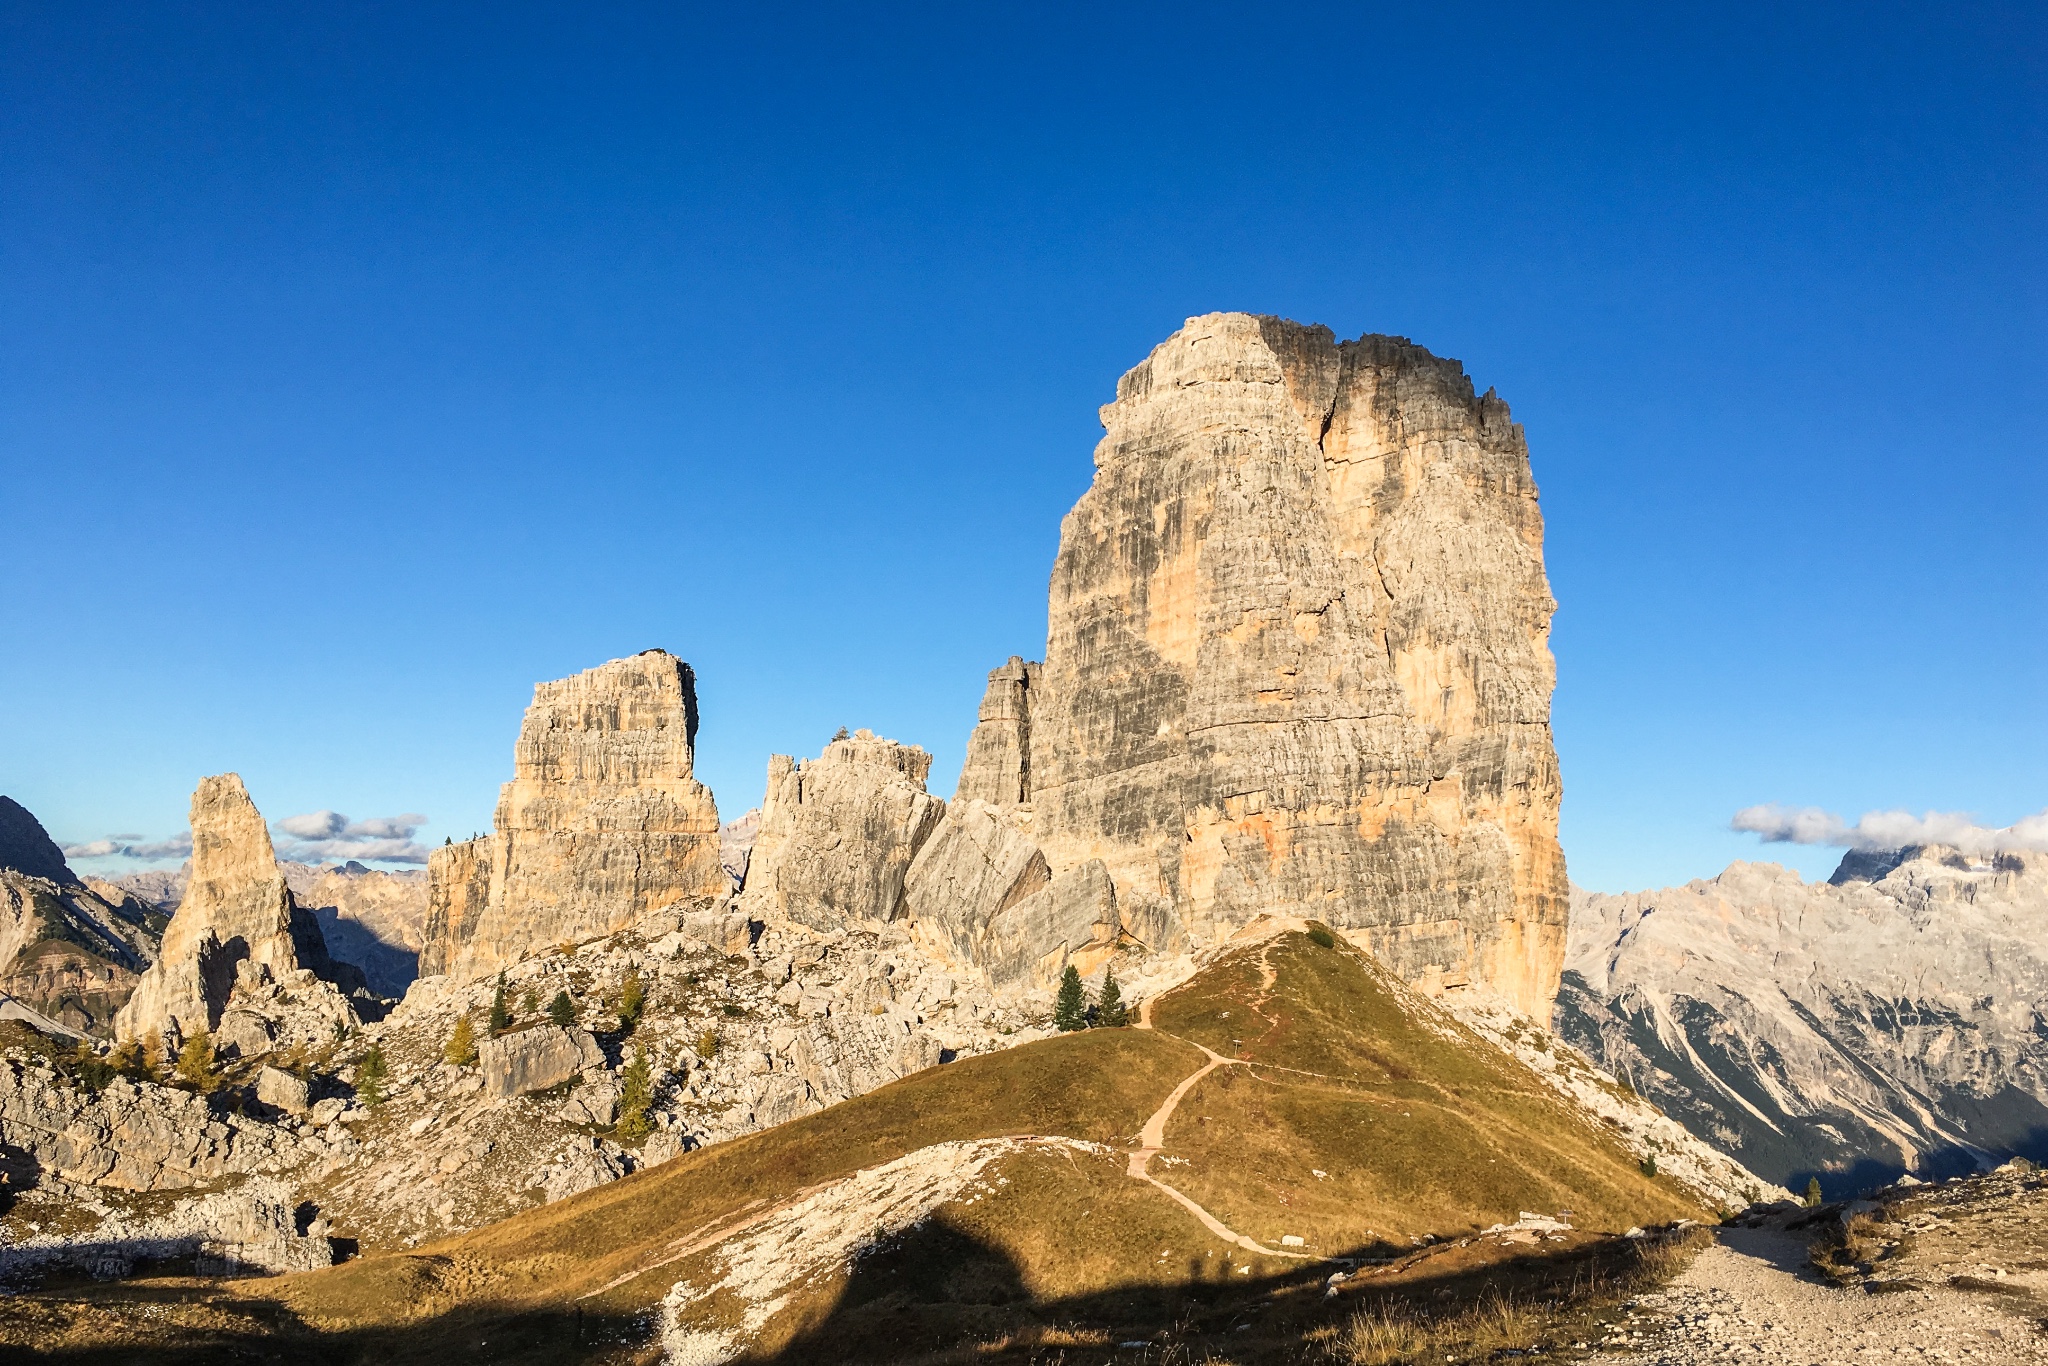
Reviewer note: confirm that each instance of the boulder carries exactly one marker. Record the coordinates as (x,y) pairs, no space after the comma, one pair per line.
(282,1091)
(535,1059)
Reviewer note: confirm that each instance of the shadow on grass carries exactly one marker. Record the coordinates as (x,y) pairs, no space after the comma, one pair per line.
(931,1297)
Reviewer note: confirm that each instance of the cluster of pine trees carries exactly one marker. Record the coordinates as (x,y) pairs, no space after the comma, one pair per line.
(1071,1009)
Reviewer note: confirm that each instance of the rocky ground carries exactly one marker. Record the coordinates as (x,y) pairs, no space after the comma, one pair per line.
(1948,1273)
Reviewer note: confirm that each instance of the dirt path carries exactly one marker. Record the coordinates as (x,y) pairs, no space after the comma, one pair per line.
(1748,1299)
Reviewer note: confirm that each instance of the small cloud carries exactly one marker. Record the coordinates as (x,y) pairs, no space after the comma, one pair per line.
(319,835)
(179,846)
(1885,830)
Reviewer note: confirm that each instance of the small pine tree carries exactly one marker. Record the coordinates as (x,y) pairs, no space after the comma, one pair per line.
(636,1094)
(195,1062)
(370,1075)
(152,1056)
(1812,1192)
(127,1060)
(562,1011)
(1070,1007)
(632,1001)
(529,1002)
(501,1013)
(1649,1164)
(1110,1011)
(461,1049)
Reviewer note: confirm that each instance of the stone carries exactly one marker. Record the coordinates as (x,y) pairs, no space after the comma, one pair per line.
(373,918)
(236,910)
(70,950)
(534,1059)
(28,849)
(839,833)
(1297,660)
(602,823)
(282,1091)
(254,1227)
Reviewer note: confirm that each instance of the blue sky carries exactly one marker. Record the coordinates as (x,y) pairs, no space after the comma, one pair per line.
(362,365)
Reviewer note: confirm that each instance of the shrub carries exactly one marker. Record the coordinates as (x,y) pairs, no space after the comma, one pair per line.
(1649,1164)
(1110,1011)
(195,1062)
(130,1061)
(153,1056)
(1321,937)
(707,1045)
(461,1049)
(1813,1192)
(501,1014)
(632,1001)
(1070,1008)
(370,1076)
(636,1094)
(562,1011)
(91,1070)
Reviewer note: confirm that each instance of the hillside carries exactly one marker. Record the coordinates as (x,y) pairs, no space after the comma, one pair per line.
(1291,1114)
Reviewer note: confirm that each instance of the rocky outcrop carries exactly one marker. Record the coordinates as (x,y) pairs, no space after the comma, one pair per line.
(254,1227)
(1297,660)
(237,926)
(535,1059)
(839,832)
(68,950)
(130,1136)
(1853,1029)
(601,824)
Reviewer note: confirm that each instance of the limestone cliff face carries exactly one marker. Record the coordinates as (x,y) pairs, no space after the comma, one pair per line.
(237,923)
(601,823)
(838,833)
(1297,660)
(70,950)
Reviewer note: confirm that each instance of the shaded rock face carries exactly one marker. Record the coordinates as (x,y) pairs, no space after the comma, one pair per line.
(373,919)
(254,1227)
(1297,660)
(535,1059)
(237,924)
(839,832)
(1853,1029)
(70,951)
(601,824)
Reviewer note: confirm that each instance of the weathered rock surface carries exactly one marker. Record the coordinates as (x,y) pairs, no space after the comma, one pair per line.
(601,824)
(282,1091)
(1297,660)
(535,1059)
(253,1227)
(1853,1029)
(69,950)
(237,925)
(839,832)
(130,1137)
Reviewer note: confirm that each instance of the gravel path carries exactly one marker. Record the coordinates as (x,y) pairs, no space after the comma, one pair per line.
(1749,1299)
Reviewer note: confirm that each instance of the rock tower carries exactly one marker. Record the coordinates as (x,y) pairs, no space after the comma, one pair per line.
(601,823)
(1297,660)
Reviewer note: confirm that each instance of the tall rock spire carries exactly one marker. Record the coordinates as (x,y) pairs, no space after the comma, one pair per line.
(601,823)
(1297,660)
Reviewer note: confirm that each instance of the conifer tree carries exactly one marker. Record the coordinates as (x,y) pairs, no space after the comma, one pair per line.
(195,1061)
(632,1000)
(636,1094)
(370,1075)
(461,1049)
(529,1001)
(501,1013)
(1070,1007)
(152,1056)
(1110,1011)
(1812,1192)
(562,1011)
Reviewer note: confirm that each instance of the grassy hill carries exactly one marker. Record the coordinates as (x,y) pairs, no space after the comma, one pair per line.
(992,1209)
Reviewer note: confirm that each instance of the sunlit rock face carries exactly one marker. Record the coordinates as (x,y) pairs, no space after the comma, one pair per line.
(601,824)
(1887,1020)
(237,930)
(1297,660)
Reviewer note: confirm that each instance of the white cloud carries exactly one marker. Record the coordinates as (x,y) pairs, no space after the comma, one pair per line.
(178,846)
(319,835)
(1882,830)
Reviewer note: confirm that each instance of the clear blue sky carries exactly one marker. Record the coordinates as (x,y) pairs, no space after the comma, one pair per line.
(361,365)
